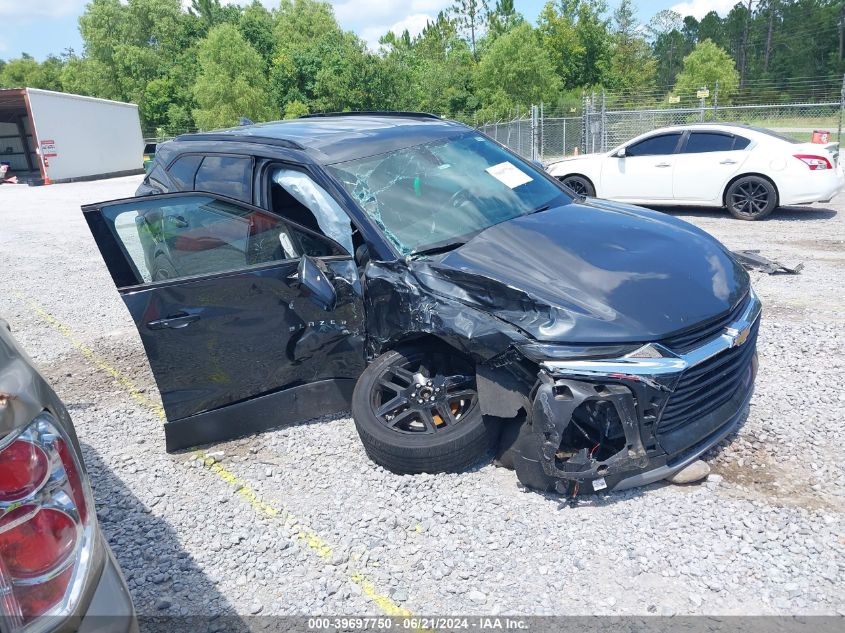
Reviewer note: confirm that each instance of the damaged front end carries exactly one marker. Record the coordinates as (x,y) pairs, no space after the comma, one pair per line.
(614,422)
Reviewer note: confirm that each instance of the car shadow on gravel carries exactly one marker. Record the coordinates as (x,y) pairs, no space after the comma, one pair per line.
(169,590)
(788,214)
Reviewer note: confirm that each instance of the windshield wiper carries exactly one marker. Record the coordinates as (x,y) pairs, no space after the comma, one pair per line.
(441,247)
(539,209)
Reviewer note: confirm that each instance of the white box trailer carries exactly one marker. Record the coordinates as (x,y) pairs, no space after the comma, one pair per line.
(48,136)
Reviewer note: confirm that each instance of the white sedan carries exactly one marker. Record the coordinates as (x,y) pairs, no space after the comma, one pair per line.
(746,169)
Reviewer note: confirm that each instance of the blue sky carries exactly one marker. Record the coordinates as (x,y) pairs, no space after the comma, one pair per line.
(40,27)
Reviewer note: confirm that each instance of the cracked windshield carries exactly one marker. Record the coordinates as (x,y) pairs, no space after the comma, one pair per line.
(437,196)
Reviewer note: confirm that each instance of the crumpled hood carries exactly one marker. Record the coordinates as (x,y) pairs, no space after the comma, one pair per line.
(592,272)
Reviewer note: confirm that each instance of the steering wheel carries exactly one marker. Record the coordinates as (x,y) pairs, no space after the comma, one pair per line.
(462,197)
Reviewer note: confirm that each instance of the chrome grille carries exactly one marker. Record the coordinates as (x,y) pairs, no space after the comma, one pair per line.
(707,386)
(702,332)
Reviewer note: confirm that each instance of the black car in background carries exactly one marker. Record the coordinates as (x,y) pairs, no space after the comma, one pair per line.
(57,572)
(456,295)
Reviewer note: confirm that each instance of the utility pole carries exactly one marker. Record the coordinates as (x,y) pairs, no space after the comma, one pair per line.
(768,53)
(841,108)
(743,47)
(716,102)
(841,31)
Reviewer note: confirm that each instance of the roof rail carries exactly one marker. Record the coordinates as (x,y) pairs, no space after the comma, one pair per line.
(240,138)
(419,115)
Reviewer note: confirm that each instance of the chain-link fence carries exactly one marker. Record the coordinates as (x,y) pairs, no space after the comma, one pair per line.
(541,135)
(518,134)
(607,129)
(605,120)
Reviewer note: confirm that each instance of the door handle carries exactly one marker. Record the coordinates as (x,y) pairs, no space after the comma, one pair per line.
(174,322)
(727,161)
(663,165)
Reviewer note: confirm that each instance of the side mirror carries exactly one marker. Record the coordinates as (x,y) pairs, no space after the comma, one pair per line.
(620,153)
(362,255)
(538,164)
(313,281)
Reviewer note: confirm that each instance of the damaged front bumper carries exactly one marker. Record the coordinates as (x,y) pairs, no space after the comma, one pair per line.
(611,424)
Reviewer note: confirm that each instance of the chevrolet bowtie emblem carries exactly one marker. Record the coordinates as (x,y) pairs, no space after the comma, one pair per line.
(739,336)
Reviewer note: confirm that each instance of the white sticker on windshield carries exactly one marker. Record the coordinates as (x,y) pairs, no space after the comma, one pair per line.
(509,175)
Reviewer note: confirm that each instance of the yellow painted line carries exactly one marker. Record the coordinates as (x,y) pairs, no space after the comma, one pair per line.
(134,392)
(311,539)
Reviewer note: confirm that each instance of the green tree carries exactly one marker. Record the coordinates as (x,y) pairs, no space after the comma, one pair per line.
(632,65)
(230,83)
(211,13)
(516,72)
(595,38)
(559,38)
(711,27)
(256,25)
(444,71)
(706,65)
(26,72)
(303,22)
(670,44)
(470,17)
(502,18)
(295,109)
(576,36)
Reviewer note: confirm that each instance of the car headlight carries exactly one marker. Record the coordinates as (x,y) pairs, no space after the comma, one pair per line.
(539,352)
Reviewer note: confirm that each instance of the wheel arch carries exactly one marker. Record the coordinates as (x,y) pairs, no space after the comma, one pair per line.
(423,338)
(580,174)
(769,179)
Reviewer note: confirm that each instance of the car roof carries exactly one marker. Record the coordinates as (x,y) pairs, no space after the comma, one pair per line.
(338,137)
(726,127)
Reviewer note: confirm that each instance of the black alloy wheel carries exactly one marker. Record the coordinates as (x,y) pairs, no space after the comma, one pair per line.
(579,185)
(751,198)
(416,410)
(428,394)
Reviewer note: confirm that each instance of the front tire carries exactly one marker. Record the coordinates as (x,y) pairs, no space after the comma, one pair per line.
(751,198)
(579,184)
(416,411)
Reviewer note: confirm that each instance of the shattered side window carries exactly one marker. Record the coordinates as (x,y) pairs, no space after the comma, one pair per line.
(445,192)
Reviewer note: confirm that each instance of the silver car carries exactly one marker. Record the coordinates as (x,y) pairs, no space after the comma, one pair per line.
(56,569)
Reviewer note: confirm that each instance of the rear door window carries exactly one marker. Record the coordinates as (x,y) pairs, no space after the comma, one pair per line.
(741,142)
(227,176)
(184,170)
(701,142)
(655,145)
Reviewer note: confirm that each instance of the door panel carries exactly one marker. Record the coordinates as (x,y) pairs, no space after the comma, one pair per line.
(704,166)
(217,303)
(637,178)
(703,176)
(644,172)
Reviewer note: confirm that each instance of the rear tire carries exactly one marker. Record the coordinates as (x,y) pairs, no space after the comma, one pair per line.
(579,184)
(751,198)
(394,427)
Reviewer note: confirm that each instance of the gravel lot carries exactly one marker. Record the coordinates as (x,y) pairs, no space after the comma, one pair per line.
(764,535)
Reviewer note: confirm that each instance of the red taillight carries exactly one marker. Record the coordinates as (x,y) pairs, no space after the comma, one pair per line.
(814,162)
(43,513)
(23,468)
(34,541)
(41,597)
(73,478)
